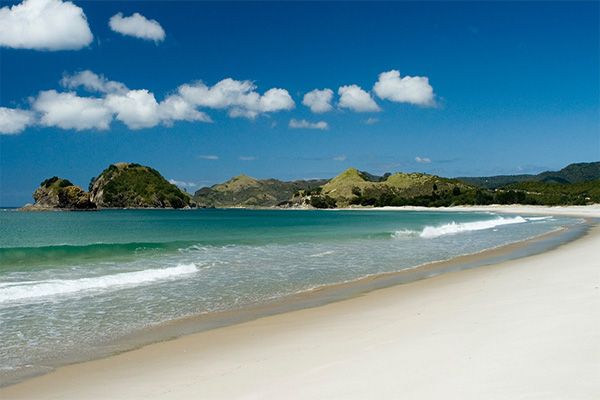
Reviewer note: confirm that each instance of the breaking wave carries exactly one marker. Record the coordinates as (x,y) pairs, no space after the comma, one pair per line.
(453,228)
(26,290)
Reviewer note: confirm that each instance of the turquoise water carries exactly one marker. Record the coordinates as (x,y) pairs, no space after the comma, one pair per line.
(73,282)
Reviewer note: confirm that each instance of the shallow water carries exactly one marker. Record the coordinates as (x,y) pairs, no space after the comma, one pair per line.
(73,281)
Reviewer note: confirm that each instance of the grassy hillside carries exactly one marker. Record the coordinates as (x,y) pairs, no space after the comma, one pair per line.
(126,185)
(245,191)
(356,187)
(558,193)
(573,173)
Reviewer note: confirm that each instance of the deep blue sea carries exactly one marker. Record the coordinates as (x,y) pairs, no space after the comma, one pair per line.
(78,280)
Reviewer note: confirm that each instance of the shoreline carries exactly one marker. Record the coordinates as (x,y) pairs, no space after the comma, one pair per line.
(306,299)
(329,296)
(591,211)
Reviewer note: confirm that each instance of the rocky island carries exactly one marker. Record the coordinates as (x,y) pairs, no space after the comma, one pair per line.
(121,185)
(60,194)
(128,185)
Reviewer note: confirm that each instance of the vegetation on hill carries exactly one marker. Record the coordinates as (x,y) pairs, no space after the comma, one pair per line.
(245,191)
(573,173)
(60,194)
(354,187)
(579,193)
(127,185)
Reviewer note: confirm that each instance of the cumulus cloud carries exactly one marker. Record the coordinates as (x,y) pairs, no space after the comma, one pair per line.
(92,82)
(304,124)
(319,101)
(409,89)
(69,111)
(107,100)
(137,26)
(44,25)
(175,108)
(354,98)
(239,97)
(423,160)
(208,157)
(137,108)
(14,121)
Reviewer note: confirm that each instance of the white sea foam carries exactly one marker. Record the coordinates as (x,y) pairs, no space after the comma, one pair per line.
(431,232)
(19,291)
(402,233)
(453,228)
(538,218)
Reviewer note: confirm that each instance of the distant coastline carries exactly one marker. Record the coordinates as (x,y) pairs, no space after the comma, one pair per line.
(133,186)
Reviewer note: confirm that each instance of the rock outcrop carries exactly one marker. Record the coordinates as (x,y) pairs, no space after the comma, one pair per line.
(60,194)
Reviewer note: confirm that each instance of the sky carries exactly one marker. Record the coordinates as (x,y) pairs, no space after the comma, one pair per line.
(203,91)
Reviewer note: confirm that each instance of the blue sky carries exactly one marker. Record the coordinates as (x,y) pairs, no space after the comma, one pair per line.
(515,90)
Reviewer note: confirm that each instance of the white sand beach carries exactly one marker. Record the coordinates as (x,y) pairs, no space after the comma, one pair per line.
(522,329)
(591,211)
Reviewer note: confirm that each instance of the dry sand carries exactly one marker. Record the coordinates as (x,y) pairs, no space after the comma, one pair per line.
(592,211)
(522,329)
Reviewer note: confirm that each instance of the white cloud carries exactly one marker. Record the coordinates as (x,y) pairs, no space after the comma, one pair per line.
(208,157)
(423,160)
(14,121)
(69,111)
(304,124)
(175,108)
(319,101)
(239,97)
(140,109)
(275,100)
(92,82)
(137,108)
(356,99)
(44,25)
(137,26)
(409,89)
(247,158)
(339,158)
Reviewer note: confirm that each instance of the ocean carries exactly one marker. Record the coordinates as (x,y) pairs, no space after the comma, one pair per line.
(72,284)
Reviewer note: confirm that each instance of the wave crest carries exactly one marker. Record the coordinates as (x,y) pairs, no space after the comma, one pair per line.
(27,290)
(431,232)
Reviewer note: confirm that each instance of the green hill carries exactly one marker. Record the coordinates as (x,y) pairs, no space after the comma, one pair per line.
(245,191)
(127,185)
(551,193)
(573,173)
(357,187)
